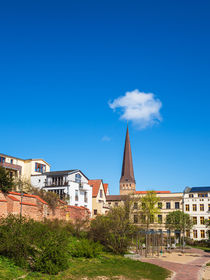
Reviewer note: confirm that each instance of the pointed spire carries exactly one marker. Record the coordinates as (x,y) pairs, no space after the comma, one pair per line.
(127,174)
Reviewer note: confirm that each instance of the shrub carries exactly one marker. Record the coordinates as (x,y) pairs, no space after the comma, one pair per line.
(40,246)
(84,248)
(15,243)
(52,257)
(114,230)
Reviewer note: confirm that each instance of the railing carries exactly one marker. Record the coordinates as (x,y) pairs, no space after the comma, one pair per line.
(10,166)
(58,184)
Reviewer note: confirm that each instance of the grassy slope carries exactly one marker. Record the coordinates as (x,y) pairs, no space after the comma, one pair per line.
(107,265)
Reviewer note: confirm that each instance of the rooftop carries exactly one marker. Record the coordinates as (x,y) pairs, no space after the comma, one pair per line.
(200,189)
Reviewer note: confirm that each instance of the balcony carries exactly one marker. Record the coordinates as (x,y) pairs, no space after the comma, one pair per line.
(57,184)
(11,166)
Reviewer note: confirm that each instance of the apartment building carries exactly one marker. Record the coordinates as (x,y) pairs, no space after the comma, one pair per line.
(197,205)
(71,186)
(168,202)
(23,168)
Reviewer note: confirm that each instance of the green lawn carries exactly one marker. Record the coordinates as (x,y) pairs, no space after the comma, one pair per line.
(207,249)
(108,265)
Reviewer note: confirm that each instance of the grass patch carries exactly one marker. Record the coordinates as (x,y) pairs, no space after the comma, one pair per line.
(206,249)
(8,270)
(107,265)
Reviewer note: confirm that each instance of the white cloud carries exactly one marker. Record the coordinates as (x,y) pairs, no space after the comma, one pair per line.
(106,138)
(143,109)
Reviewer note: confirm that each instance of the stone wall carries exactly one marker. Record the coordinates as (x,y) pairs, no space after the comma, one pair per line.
(36,208)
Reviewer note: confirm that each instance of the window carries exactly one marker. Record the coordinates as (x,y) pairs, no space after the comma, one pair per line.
(135,219)
(101,193)
(160,205)
(187,207)
(116,204)
(143,218)
(202,220)
(152,219)
(59,192)
(160,219)
(168,205)
(2,159)
(188,233)
(194,207)
(201,207)
(195,234)
(194,220)
(135,205)
(191,195)
(76,195)
(40,167)
(95,211)
(85,197)
(208,207)
(202,195)
(78,178)
(176,205)
(202,233)
(11,161)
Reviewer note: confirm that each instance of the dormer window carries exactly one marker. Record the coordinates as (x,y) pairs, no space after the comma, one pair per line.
(78,178)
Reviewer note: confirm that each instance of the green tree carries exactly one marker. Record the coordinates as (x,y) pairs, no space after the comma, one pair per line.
(6,181)
(178,220)
(149,208)
(50,197)
(113,230)
(207,223)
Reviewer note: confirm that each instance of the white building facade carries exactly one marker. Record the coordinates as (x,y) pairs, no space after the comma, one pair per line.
(197,205)
(71,186)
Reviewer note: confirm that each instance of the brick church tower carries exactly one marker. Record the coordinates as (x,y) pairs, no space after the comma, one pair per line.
(127,180)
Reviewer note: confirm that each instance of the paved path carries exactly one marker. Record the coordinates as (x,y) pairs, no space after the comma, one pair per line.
(189,271)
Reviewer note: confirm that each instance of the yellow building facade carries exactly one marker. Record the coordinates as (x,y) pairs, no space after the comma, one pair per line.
(23,168)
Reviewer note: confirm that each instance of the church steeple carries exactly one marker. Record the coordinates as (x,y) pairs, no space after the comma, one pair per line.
(127,180)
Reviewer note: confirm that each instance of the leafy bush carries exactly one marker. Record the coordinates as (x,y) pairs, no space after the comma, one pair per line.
(114,230)
(84,248)
(53,254)
(34,244)
(14,241)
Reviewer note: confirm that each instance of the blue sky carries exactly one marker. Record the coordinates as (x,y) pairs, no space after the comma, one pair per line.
(63,62)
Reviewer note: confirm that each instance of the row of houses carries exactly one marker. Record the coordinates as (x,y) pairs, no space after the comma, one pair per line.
(78,191)
(72,186)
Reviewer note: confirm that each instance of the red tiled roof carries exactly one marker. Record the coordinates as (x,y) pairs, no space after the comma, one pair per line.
(13,198)
(158,192)
(2,200)
(95,186)
(61,201)
(30,204)
(30,195)
(105,187)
